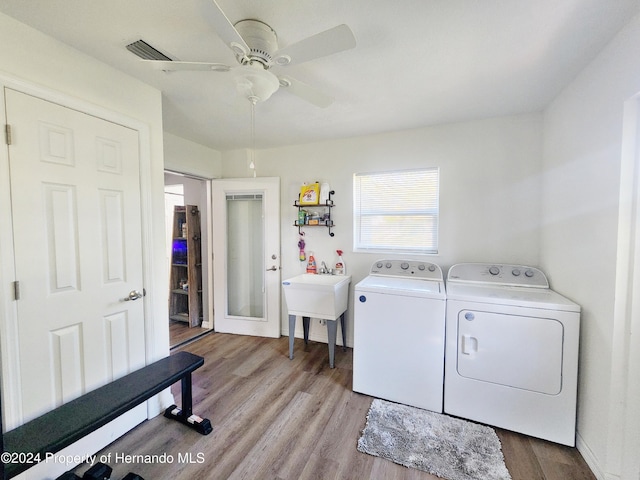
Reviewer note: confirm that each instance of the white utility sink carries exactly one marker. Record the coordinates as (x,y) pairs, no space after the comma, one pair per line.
(317,296)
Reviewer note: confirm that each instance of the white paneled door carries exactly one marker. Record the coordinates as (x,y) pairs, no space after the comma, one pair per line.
(75,193)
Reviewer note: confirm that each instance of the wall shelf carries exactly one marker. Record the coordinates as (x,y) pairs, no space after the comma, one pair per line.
(324,219)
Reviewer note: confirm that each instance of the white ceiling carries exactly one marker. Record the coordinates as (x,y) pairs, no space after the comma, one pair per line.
(416,63)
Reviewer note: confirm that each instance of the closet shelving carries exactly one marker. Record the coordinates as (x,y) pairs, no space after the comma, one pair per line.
(185,289)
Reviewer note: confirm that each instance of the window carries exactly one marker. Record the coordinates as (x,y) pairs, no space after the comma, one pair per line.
(396,211)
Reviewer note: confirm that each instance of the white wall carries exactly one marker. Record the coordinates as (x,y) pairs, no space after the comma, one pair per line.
(489,192)
(580,201)
(184,156)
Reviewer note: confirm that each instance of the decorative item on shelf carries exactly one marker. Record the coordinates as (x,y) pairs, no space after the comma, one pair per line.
(179,251)
(309,194)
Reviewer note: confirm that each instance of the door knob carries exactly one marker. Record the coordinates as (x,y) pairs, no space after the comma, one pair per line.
(134,295)
(272,269)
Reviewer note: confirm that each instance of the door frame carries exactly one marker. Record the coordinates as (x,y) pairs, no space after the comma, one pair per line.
(624,412)
(220,261)
(152,273)
(208,248)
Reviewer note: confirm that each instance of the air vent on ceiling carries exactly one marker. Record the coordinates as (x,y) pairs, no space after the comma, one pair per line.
(146,51)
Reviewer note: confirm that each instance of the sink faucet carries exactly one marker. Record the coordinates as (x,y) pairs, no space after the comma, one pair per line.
(323,267)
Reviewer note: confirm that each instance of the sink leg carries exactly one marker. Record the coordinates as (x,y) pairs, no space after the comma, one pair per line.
(305,327)
(343,324)
(292,334)
(332,331)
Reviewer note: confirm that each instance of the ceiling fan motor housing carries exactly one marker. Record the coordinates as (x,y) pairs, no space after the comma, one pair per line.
(261,39)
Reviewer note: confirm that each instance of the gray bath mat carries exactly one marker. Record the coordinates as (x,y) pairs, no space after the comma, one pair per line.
(448,447)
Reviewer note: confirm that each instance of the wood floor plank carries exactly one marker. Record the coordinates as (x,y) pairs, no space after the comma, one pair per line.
(318,467)
(281,419)
(180,333)
(519,457)
(269,453)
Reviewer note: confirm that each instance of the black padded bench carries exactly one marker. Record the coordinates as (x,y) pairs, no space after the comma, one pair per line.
(68,423)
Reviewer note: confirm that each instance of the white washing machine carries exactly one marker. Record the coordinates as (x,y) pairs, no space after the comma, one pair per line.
(399,326)
(512,351)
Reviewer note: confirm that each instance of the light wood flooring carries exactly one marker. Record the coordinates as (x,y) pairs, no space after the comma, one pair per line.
(180,333)
(279,419)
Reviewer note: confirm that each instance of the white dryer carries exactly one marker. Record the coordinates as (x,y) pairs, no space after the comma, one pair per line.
(511,351)
(399,326)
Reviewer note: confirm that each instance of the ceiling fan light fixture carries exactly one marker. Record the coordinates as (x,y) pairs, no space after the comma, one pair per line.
(255,83)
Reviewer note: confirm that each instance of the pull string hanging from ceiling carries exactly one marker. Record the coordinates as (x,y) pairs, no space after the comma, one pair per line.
(252,163)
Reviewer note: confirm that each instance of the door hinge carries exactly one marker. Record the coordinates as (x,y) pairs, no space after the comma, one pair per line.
(16,290)
(7,133)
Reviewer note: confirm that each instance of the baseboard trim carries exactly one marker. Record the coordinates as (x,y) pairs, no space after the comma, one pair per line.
(591,460)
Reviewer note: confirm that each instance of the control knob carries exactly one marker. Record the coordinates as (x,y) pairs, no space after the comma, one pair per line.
(528,273)
(404,265)
(421,267)
(494,270)
(388,265)
(515,272)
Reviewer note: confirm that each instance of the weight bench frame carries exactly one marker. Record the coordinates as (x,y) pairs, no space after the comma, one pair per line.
(77,418)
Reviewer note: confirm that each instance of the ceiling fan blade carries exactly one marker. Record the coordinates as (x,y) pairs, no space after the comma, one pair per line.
(172,66)
(226,31)
(330,41)
(304,91)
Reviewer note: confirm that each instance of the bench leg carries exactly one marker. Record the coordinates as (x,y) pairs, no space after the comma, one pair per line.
(185,414)
(187,396)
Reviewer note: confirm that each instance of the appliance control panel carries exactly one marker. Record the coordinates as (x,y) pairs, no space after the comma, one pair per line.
(498,274)
(407,268)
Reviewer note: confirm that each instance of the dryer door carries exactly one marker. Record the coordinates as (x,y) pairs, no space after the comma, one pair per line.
(512,350)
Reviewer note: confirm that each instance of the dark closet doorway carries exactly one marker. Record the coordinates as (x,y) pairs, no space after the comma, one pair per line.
(182,190)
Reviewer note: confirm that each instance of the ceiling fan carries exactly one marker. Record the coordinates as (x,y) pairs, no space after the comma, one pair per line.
(255,45)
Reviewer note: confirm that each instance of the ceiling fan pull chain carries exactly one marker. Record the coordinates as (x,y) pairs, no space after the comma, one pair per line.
(252,164)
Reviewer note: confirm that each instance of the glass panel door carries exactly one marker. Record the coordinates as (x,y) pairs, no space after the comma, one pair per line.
(245,256)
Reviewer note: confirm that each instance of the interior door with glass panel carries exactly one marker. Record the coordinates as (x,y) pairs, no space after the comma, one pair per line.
(246,256)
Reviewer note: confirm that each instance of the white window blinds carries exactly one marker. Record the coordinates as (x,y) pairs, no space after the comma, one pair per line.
(396,211)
